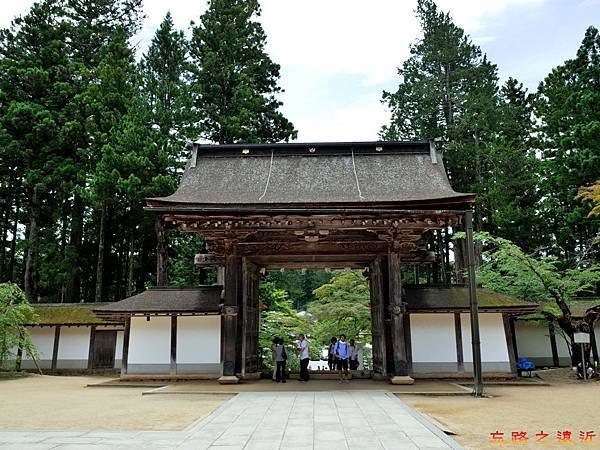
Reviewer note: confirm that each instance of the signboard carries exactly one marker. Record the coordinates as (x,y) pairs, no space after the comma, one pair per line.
(581,338)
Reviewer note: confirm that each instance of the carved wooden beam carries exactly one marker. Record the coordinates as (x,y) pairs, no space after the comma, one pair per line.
(208,260)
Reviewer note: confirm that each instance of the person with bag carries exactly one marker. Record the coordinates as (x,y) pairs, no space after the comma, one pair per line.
(280,360)
(342,354)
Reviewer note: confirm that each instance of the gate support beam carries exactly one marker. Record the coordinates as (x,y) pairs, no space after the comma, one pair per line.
(396,312)
(229,317)
(475,341)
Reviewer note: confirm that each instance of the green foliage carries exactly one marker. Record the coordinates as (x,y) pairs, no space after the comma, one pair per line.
(180,261)
(509,270)
(280,319)
(15,311)
(299,284)
(569,139)
(342,307)
(234,82)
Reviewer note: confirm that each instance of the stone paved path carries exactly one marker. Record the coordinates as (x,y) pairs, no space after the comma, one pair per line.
(275,420)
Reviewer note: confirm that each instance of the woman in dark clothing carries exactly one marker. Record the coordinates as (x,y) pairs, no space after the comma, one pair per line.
(280,359)
(331,355)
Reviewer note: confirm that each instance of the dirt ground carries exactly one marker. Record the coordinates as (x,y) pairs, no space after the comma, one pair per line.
(64,402)
(564,405)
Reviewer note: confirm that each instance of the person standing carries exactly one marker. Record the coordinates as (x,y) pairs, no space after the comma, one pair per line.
(353,355)
(342,355)
(331,354)
(273,359)
(303,356)
(280,359)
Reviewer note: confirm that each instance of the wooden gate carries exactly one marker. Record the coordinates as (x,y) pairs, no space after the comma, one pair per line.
(103,349)
(250,318)
(377,317)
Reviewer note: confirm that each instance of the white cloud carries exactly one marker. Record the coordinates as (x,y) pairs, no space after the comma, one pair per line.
(336,55)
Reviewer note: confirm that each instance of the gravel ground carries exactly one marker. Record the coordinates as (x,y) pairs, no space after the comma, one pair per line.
(65,403)
(564,405)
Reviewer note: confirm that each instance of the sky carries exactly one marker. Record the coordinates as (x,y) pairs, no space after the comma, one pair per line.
(337,56)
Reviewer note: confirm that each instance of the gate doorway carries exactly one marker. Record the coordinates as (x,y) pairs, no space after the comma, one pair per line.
(321,304)
(103,349)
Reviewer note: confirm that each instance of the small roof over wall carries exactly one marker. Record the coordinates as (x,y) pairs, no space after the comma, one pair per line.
(69,314)
(359,174)
(167,300)
(432,299)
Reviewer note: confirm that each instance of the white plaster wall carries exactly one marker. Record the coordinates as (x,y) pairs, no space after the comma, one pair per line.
(150,341)
(533,340)
(74,343)
(198,339)
(43,340)
(433,338)
(119,345)
(492,336)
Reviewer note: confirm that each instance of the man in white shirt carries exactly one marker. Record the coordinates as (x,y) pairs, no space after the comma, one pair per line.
(303,356)
(342,353)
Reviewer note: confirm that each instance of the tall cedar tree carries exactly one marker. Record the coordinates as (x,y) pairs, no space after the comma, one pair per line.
(234,82)
(165,72)
(514,194)
(109,99)
(35,81)
(90,25)
(449,91)
(568,108)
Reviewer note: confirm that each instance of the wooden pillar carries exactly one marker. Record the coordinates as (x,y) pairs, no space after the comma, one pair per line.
(125,354)
(408,341)
(173,366)
(229,318)
(460,358)
(55,347)
(396,308)
(553,346)
(475,341)
(161,253)
(510,343)
(91,347)
(378,328)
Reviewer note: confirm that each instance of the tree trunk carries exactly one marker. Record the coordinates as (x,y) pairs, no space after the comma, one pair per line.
(29,283)
(13,244)
(4,235)
(100,261)
(73,285)
(130,263)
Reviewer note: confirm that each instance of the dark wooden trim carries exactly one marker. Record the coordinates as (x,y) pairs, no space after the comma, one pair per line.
(55,347)
(553,346)
(91,348)
(510,344)
(125,354)
(407,341)
(230,321)
(460,358)
(399,364)
(513,335)
(173,368)
(594,344)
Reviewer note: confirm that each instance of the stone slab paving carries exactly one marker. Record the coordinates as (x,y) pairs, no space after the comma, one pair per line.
(264,421)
